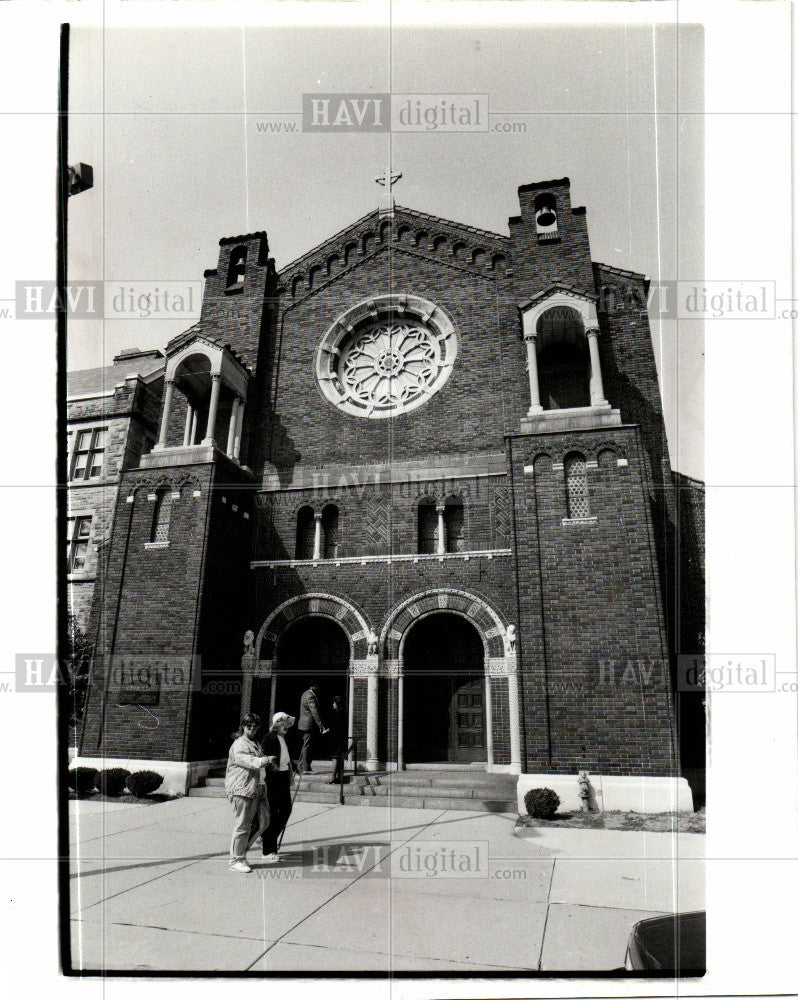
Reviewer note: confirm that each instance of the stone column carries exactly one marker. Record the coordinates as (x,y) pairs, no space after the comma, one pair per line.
(167,412)
(488,721)
(514,700)
(441,529)
(231,430)
(371,717)
(187,433)
(239,425)
(400,722)
(531,342)
(596,381)
(216,385)
(273,696)
(351,721)
(247,671)
(317,537)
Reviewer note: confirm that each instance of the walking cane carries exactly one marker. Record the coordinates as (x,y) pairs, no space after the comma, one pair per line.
(293,798)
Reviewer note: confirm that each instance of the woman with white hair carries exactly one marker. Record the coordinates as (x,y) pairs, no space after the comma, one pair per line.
(279,776)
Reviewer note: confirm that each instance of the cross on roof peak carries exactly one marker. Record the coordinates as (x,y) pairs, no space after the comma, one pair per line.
(388,178)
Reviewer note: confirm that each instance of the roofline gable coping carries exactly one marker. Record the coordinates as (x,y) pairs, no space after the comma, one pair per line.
(398,211)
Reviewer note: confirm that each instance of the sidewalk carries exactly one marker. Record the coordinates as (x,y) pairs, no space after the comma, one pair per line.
(150,890)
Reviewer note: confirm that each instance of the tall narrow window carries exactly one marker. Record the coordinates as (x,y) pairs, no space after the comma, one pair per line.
(329,530)
(427,527)
(87,458)
(305,532)
(454,521)
(236,272)
(576,486)
(161,516)
(78,532)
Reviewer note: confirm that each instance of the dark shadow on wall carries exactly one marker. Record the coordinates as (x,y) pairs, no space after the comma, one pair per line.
(677,518)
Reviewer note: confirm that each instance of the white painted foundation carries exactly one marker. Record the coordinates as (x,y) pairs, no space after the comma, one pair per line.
(613,792)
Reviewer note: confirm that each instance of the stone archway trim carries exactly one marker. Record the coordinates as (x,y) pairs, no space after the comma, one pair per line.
(325,605)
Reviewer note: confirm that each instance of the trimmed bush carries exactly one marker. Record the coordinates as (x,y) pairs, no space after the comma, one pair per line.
(141,783)
(112,780)
(82,779)
(541,803)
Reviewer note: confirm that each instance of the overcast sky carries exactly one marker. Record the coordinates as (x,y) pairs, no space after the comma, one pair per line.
(169,119)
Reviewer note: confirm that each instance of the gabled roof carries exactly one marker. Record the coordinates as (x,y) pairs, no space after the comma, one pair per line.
(553,289)
(446,226)
(148,364)
(197,333)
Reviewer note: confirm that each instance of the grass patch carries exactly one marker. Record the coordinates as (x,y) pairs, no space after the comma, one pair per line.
(694,822)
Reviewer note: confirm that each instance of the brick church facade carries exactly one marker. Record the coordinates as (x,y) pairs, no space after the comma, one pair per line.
(425,464)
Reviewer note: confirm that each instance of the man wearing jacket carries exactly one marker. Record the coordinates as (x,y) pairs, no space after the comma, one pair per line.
(310,722)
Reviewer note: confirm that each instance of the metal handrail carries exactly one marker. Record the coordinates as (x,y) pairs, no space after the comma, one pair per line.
(351,745)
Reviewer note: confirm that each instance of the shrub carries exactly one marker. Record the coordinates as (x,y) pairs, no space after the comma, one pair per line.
(541,803)
(141,783)
(82,779)
(112,781)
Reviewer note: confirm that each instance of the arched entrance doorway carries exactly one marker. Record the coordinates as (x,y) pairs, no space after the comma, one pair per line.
(444,691)
(311,648)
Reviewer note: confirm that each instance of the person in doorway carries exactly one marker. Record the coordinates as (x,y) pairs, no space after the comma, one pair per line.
(245,789)
(338,728)
(310,723)
(279,777)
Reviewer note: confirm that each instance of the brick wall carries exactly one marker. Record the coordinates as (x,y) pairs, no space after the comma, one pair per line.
(596,670)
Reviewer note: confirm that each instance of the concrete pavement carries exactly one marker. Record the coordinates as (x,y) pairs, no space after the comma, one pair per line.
(379,889)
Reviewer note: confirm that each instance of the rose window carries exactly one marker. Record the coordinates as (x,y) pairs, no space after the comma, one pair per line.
(386,356)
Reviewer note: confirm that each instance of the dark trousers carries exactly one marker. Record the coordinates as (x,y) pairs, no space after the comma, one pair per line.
(338,767)
(278,794)
(308,749)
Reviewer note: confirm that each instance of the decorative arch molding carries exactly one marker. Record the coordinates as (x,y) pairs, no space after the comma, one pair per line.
(489,623)
(317,504)
(558,297)
(178,481)
(337,609)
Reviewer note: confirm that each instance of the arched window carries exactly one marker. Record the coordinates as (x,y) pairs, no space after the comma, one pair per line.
(576,486)
(427,526)
(329,531)
(305,533)
(454,524)
(237,269)
(161,516)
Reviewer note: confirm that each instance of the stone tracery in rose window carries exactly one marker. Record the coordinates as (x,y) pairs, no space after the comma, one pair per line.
(390,366)
(386,356)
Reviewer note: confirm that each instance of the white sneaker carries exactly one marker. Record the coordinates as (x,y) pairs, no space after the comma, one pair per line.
(271,859)
(240,866)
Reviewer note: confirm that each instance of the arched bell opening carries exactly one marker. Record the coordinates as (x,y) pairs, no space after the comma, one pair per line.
(563,359)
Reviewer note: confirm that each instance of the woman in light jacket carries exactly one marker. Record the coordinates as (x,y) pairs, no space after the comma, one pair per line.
(245,789)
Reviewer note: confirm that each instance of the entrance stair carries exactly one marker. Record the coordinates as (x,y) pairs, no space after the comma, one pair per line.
(458,788)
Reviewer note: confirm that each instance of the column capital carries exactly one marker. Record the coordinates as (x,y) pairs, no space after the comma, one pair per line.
(216,376)
(592,331)
(530,335)
(317,515)
(440,506)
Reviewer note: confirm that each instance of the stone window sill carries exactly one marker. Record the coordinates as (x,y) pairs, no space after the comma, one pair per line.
(567,521)
(156,545)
